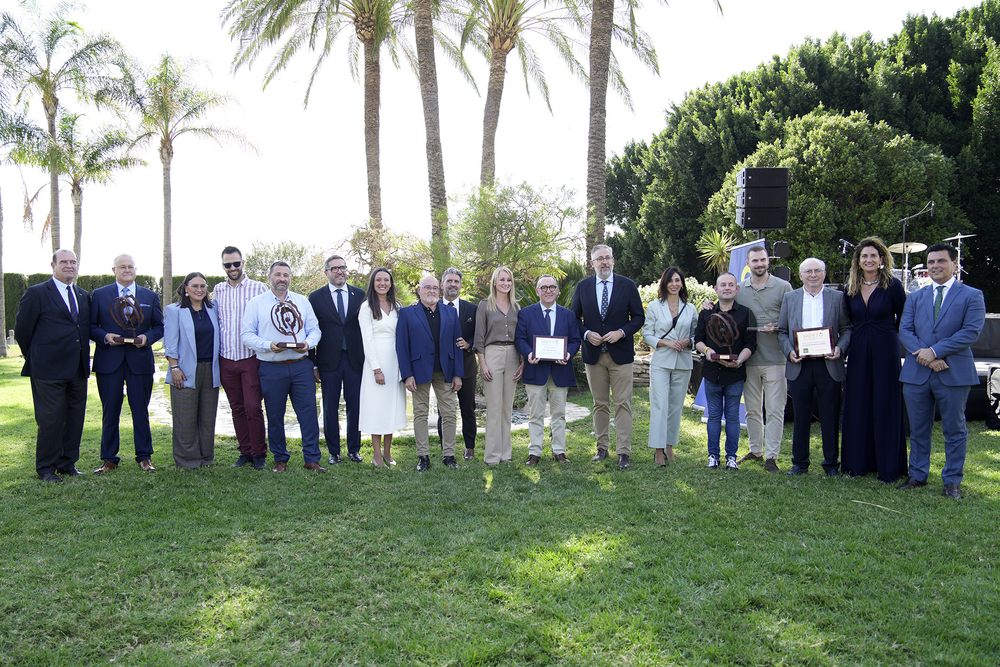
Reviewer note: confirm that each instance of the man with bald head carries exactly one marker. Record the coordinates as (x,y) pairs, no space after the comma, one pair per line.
(123,360)
(814,306)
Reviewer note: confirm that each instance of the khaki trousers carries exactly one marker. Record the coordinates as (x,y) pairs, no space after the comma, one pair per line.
(608,381)
(447,407)
(499,392)
(555,397)
(765,388)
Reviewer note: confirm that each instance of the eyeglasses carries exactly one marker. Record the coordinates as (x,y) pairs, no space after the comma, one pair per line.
(602,258)
(337,268)
(812,272)
(197,287)
(548,288)
(232,265)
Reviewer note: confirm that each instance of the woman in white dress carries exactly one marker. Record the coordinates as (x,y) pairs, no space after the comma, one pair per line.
(383,397)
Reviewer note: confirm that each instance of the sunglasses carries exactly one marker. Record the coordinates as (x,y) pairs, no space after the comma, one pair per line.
(232,265)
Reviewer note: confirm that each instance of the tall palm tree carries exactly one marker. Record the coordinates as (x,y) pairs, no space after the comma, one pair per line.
(317,24)
(169,107)
(55,57)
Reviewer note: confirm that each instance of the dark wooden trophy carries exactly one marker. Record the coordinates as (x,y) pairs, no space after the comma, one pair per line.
(127,314)
(721,329)
(287,319)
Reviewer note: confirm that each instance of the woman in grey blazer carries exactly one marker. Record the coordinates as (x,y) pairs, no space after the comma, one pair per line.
(191,346)
(669,326)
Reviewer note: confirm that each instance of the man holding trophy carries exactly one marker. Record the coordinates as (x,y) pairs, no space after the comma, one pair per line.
(281,327)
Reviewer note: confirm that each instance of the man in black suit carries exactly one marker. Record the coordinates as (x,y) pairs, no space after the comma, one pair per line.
(52,327)
(610,311)
(339,358)
(451,286)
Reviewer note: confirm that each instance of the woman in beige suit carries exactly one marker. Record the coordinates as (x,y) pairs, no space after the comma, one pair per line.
(669,327)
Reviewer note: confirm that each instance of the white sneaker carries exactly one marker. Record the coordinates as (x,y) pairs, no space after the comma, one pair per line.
(731,463)
(713,461)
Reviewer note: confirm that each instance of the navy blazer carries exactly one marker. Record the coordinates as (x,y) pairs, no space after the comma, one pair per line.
(179,342)
(54,346)
(109,358)
(415,344)
(335,330)
(467,321)
(531,323)
(951,336)
(625,312)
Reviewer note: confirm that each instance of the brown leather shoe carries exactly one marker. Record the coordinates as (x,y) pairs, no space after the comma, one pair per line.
(750,456)
(561,458)
(280,467)
(146,466)
(532,460)
(315,467)
(469,454)
(106,467)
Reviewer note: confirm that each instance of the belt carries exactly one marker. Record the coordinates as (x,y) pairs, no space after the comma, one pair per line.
(502,342)
(285,361)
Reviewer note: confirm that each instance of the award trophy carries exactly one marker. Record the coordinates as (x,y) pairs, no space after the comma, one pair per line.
(721,329)
(127,314)
(287,319)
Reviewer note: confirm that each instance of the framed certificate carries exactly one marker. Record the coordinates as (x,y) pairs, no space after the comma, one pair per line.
(549,348)
(815,342)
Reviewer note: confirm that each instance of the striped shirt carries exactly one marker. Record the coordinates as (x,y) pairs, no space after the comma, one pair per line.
(232,302)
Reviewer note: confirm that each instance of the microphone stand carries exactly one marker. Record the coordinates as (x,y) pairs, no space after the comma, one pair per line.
(928,208)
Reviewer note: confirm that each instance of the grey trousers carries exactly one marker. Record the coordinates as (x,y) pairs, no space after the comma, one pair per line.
(193,411)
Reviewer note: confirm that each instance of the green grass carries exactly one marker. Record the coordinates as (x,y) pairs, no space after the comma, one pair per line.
(578,565)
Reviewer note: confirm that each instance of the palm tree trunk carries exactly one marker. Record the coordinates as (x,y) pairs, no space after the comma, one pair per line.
(166,157)
(601,27)
(491,116)
(77,194)
(54,229)
(423,24)
(3,293)
(373,77)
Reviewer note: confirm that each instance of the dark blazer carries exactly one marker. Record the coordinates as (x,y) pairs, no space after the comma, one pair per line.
(415,344)
(625,312)
(531,323)
(951,336)
(108,358)
(55,347)
(326,356)
(467,321)
(835,315)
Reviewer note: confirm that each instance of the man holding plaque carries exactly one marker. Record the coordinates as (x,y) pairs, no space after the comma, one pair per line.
(814,330)
(125,321)
(52,327)
(547,337)
(281,327)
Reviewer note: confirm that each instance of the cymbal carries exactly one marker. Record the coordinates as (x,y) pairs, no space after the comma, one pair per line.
(959,237)
(908,247)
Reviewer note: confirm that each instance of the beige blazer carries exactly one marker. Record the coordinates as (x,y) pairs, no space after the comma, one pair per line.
(658,322)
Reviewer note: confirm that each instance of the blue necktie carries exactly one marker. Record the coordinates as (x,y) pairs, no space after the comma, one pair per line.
(127,292)
(73,310)
(340,303)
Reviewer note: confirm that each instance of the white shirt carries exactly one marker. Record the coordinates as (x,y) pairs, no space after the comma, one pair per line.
(61,288)
(131,290)
(451,303)
(812,309)
(346,296)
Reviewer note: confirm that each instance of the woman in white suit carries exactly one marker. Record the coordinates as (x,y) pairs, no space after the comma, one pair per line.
(669,326)
(191,346)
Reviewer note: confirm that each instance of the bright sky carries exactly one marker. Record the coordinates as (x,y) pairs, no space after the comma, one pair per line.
(308,181)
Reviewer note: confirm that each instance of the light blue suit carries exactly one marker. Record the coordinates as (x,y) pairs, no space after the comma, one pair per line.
(962,315)
(179,343)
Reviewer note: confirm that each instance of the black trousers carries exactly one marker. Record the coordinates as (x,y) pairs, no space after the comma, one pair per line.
(814,381)
(60,406)
(467,408)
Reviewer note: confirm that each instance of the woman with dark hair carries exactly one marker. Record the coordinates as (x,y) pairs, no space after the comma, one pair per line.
(669,327)
(383,397)
(873,438)
(191,346)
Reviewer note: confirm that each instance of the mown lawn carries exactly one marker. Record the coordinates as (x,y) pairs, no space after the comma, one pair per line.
(577,565)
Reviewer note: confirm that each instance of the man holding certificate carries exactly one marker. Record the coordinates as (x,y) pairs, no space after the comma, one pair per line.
(814,330)
(547,337)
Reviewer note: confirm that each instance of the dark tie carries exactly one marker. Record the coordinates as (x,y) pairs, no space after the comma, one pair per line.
(938,298)
(548,320)
(340,303)
(452,304)
(604,299)
(73,310)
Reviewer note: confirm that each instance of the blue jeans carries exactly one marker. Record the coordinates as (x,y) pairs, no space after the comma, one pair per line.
(723,400)
(278,383)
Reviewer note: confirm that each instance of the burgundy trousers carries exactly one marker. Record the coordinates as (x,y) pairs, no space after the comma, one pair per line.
(241,380)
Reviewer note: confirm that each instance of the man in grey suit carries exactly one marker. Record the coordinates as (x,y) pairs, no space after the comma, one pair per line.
(812,306)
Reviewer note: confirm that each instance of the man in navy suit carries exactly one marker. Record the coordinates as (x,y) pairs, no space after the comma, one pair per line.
(939,325)
(451,287)
(610,312)
(340,356)
(52,327)
(547,381)
(121,365)
(428,356)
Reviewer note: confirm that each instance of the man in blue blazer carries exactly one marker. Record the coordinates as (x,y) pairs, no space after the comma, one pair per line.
(121,365)
(428,355)
(547,381)
(939,325)
(52,327)
(610,312)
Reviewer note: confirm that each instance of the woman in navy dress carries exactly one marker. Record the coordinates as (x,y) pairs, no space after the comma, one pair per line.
(873,438)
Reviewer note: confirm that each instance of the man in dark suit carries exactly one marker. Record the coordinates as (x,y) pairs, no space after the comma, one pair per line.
(808,307)
(120,364)
(340,356)
(547,381)
(52,327)
(610,312)
(451,287)
(939,325)
(428,355)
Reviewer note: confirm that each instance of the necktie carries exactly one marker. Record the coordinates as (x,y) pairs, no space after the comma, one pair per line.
(73,310)
(340,303)
(938,298)
(452,304)
(548,320)
(604,299)
(127,292)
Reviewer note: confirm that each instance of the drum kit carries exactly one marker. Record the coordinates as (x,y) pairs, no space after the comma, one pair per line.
(907,248)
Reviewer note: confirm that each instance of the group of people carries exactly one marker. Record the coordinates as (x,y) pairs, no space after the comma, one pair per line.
(264,343)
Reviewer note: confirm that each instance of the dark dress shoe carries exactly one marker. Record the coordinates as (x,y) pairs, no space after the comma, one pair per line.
(600,455)
(750,456)
(315,467)
(259,462)
(423,463)
(280,467)
(771,465)
(469,454)
(50,477)
(106,467)
(952,491)
(560,457)
(355,458)
(532,460)
(910,484)
(624,463)
(70,472)
(334,459)
(242,461)
(449,462)
(146,466)
(797,470)
(832,472)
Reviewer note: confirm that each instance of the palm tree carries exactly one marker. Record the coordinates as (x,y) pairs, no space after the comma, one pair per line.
(57,56)
(260,24)
(497,27)
(604,27)
(170,106)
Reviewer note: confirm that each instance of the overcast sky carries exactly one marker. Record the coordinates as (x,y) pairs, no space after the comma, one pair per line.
(307,182)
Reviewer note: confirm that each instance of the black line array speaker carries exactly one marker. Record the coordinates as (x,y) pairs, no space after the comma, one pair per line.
(762,198)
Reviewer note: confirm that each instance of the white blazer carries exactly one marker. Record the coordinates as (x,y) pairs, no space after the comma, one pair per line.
(658,322)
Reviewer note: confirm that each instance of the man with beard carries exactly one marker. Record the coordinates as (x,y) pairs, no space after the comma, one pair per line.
(451,286)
